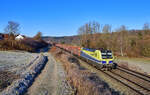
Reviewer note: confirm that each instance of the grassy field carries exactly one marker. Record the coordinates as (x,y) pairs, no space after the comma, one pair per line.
(12,64)
(138,64)
(15,61)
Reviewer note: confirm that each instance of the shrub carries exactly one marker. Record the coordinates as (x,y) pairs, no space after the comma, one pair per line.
(14,45)
(145,48)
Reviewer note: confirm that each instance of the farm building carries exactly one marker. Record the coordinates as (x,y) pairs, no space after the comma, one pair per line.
(19,37)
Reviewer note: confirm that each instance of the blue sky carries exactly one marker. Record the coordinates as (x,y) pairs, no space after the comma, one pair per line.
(64,17)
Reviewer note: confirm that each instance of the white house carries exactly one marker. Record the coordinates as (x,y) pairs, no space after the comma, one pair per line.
(19,37)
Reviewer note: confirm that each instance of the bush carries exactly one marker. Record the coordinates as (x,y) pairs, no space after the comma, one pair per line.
(14,45)
(35,44)
(145,48)
(28,44)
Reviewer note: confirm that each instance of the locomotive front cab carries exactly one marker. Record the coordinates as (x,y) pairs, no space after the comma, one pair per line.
(107,58)
(104,58)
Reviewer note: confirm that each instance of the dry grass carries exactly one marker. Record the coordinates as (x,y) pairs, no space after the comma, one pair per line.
(27,44)
(85,82)
(14,45)
(141,59)
(6,78)
(136,64)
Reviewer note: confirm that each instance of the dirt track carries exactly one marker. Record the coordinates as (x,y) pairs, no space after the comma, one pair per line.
(51,81)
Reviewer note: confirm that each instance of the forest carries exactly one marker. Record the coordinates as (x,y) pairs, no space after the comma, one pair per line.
(123,42)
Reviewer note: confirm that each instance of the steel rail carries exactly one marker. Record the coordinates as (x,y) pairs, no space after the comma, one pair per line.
(130,81)
(123,83)
(118,75)
(135,74)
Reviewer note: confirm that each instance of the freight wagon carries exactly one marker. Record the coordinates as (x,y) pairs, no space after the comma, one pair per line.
(100,58)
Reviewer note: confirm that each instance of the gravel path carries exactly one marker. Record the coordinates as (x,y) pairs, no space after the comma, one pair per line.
(51,81)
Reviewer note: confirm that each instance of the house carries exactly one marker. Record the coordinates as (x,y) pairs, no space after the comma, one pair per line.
(19,37)
(7,36)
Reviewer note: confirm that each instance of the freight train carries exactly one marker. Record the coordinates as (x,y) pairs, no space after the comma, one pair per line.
(103,59)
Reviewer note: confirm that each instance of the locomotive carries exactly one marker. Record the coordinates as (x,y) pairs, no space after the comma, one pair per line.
(103,59)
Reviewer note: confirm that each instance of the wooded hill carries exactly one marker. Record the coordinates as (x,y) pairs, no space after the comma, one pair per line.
(63,39)
(131,43)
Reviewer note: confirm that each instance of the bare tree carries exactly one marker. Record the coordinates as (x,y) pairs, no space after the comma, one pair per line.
(106,28)
(123,38)
(12,28)
(87,33)
(38,36)
(107,35)
(146,26)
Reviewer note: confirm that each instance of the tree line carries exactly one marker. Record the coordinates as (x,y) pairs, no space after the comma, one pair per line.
(31,44)
(123,42)
(13,29)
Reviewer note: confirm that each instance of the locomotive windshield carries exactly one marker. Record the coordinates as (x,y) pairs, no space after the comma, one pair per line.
(106,54)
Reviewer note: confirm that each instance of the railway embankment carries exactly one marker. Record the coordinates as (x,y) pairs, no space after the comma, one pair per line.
(141,65)
(123,79)
(82,80)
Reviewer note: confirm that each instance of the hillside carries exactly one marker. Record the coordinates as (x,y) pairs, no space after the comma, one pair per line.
(63,39)
(131,43)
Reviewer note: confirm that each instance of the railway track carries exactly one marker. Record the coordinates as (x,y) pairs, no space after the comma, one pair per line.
(120,81)
(135,79)
(138,74)
(138,82)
